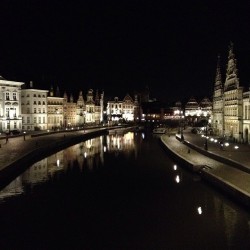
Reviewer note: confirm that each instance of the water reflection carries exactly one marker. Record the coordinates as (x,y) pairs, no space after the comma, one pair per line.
(88,154)
(130,198)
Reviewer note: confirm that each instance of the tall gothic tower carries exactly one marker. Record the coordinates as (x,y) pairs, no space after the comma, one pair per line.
(233,94)
(218,110)
(232,80)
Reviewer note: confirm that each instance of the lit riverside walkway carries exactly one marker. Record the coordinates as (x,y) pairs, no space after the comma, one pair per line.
(236,178)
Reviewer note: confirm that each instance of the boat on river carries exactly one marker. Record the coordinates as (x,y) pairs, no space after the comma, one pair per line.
(159,130)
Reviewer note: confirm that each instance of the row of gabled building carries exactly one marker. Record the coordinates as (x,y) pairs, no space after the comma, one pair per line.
(30,108)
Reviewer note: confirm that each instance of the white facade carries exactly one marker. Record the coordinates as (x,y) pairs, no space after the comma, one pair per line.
(10,105)
(34,109)
(90,107)
(80,110)
(124,109)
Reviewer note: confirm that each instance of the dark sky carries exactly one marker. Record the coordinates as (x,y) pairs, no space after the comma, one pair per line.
(122,46)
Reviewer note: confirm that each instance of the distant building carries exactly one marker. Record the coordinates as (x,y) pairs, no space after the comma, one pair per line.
(90,107)
(123,110)
(69,111)
(10,105)
(99,107)
(195,112)
(156,112)
(80,110)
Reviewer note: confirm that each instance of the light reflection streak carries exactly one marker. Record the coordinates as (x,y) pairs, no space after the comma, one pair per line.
(82,153)
(199,209)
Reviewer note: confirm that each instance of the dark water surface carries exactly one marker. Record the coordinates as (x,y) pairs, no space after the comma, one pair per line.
(117,192)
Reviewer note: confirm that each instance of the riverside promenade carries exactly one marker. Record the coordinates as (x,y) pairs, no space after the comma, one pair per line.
(227,168)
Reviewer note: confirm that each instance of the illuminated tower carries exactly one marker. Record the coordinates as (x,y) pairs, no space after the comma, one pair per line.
(233,95)
(217,112)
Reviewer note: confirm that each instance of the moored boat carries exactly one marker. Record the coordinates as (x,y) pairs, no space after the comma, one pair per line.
(159,130)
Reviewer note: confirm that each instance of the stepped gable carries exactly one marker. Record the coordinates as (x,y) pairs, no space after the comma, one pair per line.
(128,98)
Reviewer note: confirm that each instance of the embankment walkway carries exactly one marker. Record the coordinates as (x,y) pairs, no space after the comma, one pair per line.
(222,168)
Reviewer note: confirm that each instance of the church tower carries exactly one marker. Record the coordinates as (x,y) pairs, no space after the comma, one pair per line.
(217,111)
(233,95)
(80,109)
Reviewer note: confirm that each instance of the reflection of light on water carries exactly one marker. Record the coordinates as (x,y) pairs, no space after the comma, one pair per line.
(128,137)
(13,189)
(199,209)
(143,135)
(175,167)
(118,143)
(104,149)
(58,163)
(89,143)
(177,179)
(85,154)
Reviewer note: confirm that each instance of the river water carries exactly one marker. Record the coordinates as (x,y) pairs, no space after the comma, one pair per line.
(117,192)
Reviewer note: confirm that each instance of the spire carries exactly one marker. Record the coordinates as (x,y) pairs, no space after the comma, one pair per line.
(80,101)
(57,92)
(231,66)
(218,80)
(232,80)
(51,92)
(71,99)
(65,97)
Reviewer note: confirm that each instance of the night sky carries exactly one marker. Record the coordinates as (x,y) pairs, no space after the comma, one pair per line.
(123,46)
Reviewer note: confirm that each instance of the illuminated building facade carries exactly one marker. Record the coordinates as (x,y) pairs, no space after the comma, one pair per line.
(195,112)
(69,111)
(126,109)
(218,110)
(34,108)
(10,105)
(80,110)
(55,110)
(228,111)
